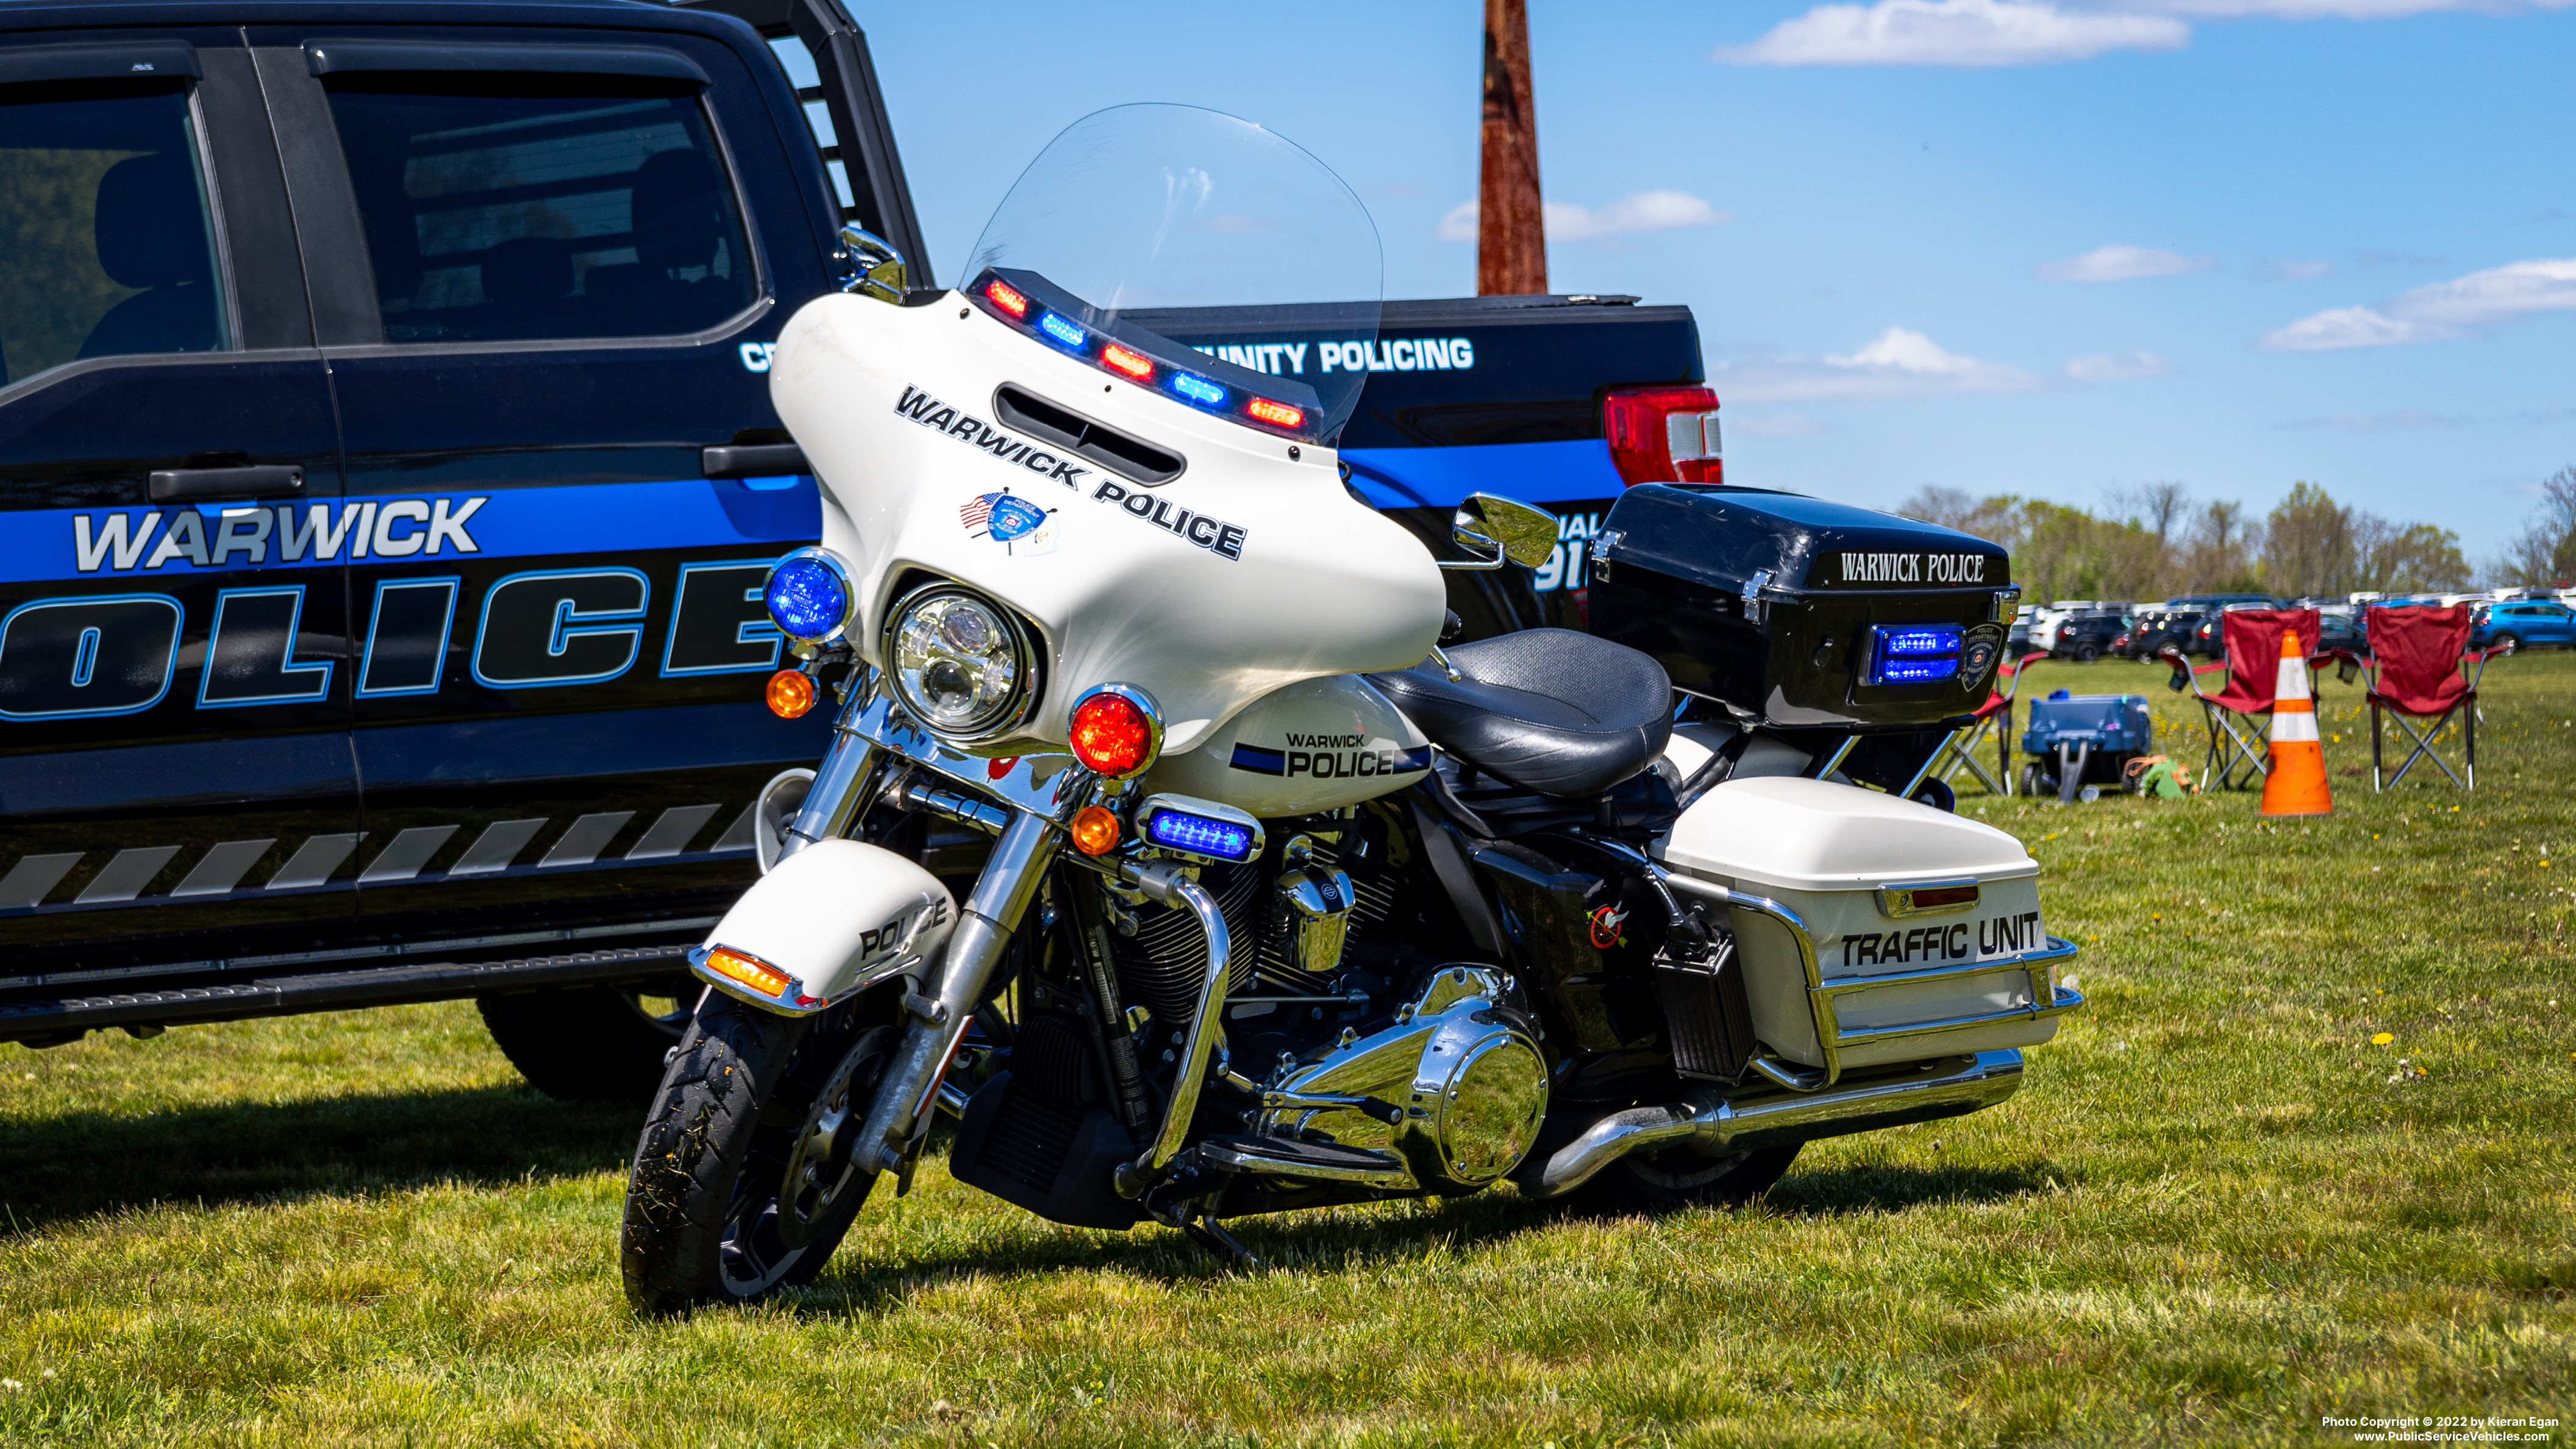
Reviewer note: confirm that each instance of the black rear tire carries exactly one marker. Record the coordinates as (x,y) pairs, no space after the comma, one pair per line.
(2087,652)
(722,1207)
(1677,1177)
(590,1043)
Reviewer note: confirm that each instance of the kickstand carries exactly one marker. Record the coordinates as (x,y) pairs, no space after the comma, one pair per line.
(1203,1230)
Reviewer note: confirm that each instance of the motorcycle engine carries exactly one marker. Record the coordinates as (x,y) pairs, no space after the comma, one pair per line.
(1447,1097)
(1453,1091)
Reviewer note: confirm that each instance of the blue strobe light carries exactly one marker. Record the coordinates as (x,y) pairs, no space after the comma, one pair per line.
(808,598)
(1063,331)
(1914,653)
(1198,390)
(1199,834)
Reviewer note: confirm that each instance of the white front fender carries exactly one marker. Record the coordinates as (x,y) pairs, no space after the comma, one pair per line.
(824,924)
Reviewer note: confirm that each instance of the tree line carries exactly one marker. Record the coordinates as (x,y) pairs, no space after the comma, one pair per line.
(2155,541)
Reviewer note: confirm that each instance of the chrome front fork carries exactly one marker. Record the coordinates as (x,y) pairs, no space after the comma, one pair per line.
(910,1091)
(840,791)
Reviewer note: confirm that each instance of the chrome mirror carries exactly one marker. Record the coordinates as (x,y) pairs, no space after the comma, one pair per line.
(1500,531)
(869,265)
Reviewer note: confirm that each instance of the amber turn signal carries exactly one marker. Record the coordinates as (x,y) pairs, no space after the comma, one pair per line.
(749,970)
(1094,830)
(790,693)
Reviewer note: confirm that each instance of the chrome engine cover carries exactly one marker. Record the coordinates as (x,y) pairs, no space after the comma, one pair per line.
(1449,1098)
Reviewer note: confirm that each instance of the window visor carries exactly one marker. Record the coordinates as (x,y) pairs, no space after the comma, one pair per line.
(119,60)
(341,57)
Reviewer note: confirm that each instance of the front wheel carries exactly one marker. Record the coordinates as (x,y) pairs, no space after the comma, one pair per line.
(745,1178)
(2507,641)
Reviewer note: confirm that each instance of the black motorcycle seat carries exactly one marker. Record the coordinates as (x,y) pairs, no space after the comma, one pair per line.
(1548,710)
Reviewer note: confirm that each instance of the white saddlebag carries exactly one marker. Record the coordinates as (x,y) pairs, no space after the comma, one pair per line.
(1925,927)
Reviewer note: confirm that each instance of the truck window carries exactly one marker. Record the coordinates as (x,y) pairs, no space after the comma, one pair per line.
(510,208)
(104,226)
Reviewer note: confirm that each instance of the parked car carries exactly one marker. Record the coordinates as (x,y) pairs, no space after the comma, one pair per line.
(2046,623)
(2153,628)
(2522,625)
(2088,637)
(388,474)
(2017,639)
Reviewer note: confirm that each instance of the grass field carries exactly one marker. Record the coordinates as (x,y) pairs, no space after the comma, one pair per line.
(2307,1154)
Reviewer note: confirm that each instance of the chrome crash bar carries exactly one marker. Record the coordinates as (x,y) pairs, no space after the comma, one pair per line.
(1825,994)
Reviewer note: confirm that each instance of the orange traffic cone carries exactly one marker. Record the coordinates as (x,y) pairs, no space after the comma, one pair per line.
(2296,784)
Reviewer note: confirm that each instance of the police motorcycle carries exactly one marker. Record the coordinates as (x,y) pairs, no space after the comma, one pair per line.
(1280,903)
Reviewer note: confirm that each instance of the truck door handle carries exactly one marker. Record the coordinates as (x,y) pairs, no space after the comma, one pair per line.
(753,460)
(257,480)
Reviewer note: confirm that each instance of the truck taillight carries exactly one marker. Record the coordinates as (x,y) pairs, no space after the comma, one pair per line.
(1663,434)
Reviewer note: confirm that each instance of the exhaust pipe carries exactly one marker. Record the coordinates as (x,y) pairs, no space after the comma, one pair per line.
(1714,1124)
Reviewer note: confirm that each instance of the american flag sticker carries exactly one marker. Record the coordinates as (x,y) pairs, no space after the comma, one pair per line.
(1020,526)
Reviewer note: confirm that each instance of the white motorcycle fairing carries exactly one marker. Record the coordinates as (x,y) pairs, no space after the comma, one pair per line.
(1312,746)
(838,917)
(1249,570)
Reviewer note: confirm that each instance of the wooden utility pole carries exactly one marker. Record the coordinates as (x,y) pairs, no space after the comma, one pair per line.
(1511,231)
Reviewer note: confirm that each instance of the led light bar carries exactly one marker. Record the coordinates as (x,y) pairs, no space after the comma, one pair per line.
(1276,414)
(1130,363)
(1202,829)
(1912,653)
(1063,331)
(1028,301)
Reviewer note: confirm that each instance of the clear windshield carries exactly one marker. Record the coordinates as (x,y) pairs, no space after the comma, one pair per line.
(1196,226)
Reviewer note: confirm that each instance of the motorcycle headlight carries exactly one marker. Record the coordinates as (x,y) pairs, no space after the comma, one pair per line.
(809,595)
(961,663)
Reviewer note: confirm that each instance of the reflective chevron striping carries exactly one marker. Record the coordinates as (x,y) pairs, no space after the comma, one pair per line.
(498,845)
(220,871)
(410,851)
(223,868)
(588,837)
(126,875)
(672,833)
(28,880)
(313,862)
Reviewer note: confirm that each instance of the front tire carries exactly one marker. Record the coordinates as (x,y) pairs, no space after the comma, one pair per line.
(744,1180)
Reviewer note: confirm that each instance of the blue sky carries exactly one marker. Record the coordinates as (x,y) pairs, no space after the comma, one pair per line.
(2000,245)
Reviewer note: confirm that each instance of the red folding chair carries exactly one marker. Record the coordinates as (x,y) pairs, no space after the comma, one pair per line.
(2237,740)
(2419,669)
(1959,751)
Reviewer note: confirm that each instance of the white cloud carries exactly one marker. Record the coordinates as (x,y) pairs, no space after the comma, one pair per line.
(2335,9)
(2119,367)
(1635,212)
(2403,420)
(2122,264)
(1896,363)
(2036,32)
(2459,308)
(1953,32)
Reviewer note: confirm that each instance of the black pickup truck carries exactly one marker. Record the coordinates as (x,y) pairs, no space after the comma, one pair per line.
(387,473)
